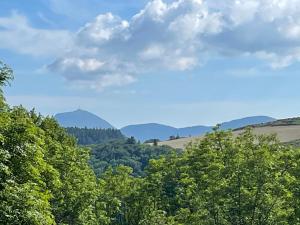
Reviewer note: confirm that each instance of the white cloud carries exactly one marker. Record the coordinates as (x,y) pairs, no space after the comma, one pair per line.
(160,37)
(278,61)
(244,73)
(164,36)
(82,65)
(94,74)
(103,29)
(18,35)
(183,34)
(152,52)
(104,81)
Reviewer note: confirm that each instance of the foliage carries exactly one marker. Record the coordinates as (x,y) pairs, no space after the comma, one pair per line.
(174,137)
(152,141)
(218,180)
(282,122)
(126,152)
(295,143)
(226,180)
(6,75)
(86,136)
(44,177)
(76,193)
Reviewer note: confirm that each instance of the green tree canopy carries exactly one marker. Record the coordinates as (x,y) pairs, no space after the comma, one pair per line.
(226,180)
(6,75)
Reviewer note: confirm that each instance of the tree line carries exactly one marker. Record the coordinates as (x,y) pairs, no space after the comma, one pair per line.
(91,136)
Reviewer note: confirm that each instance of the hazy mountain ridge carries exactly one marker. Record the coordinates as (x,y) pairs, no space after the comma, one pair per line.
(283,122)
(81,119)
(143,132)
(247,121)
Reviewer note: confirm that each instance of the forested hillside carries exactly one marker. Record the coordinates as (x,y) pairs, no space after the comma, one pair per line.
(109,148)
(45,179)
(91,136)
(128,153)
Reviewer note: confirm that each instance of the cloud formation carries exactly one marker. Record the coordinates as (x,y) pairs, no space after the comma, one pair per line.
(18,35)
(176,35)
(160,37)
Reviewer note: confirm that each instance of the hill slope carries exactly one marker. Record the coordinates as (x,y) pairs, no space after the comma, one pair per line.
(81,119)
(287,131)
(234,124)
(283,122)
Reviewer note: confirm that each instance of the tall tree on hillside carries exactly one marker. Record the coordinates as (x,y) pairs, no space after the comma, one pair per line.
(6,75)
(45,179)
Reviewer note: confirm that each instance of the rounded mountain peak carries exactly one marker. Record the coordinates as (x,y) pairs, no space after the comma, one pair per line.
(81,118)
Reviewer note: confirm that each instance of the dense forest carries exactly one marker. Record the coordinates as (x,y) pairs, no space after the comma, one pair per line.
(45,179)
(109,148)
(128,153)
(91,136)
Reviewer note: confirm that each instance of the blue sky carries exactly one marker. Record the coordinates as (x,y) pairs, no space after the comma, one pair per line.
(177,62)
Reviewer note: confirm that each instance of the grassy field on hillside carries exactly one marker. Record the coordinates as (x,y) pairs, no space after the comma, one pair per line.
(285,133)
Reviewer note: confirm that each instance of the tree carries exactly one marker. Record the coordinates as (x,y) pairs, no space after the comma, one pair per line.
(25,173)
(120,152)
(131,141)
(45,178)
(155,142)
(6,75)
(74,200)
(86,136)
(226,180)
(117,190)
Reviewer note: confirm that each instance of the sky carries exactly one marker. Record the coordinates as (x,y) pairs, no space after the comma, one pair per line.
(176,62)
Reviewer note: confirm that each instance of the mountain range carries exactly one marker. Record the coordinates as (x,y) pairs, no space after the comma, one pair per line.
(148,131)
(142,132)
(287,131)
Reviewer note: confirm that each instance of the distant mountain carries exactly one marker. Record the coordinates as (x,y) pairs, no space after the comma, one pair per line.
(148,131)
(81,119)
(193,131)
(283,122)
(234,124)
(144,132)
